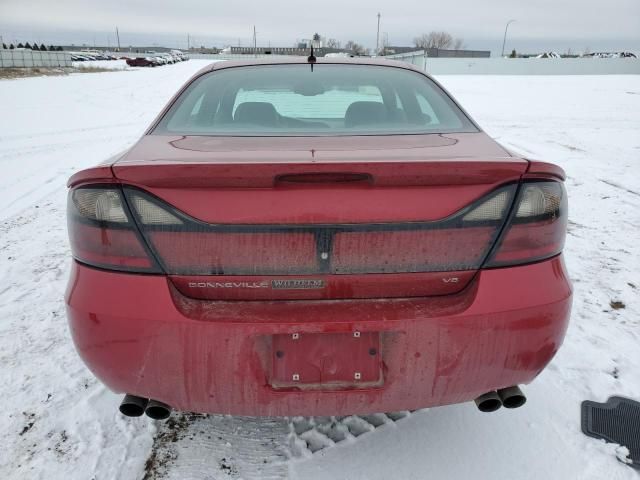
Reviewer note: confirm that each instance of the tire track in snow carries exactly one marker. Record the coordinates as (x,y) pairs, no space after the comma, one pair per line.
(219,446)
(222,446)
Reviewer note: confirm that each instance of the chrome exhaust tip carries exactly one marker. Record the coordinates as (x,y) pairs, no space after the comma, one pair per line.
(133,406)
(488,402)
(157,410)
(512,397)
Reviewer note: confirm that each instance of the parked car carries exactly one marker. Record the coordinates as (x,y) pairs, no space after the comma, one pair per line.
(81,57)
(169,58)
(316,237)
(611,55)
(179,55)
(549,55)
(142,62)
(96,55)
(159,59)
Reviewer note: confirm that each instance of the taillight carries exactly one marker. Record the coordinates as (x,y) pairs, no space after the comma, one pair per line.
(108,232)
(102,233)
(537,227)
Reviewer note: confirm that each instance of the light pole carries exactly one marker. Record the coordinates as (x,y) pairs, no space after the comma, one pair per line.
(378,36)
(504,40)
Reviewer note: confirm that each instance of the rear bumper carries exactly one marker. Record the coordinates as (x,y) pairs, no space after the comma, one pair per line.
(139,335)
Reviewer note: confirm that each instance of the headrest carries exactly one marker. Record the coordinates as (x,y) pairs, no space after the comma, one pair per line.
(365,113)
(258,113)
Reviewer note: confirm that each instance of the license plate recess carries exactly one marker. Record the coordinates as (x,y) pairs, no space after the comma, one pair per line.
(325,360)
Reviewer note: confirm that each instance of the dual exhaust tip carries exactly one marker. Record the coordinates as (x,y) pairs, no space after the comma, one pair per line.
(133,406)
(510,397)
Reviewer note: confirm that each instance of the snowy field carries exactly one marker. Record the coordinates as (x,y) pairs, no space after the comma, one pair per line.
(58,422)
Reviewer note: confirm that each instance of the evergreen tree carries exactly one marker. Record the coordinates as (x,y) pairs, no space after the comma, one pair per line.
(35,47)
(26,45)
(43,48)
(20,45)
(11,47)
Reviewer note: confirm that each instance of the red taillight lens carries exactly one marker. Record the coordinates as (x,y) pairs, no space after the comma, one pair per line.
(537,228)
(102,234)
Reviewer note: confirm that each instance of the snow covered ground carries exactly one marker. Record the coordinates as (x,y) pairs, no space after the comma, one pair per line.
(58,422)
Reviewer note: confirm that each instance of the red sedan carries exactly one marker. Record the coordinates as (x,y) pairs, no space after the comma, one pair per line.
(142,62)
(316,237)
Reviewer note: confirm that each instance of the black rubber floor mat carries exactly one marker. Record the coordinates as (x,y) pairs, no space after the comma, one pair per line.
(616,421)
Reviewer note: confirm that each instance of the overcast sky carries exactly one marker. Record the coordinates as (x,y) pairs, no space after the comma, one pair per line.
(540,24)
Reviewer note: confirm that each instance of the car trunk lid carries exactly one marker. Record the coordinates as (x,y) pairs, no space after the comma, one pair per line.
(319,218)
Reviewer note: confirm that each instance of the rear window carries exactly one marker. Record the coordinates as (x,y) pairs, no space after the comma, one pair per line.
(331,99)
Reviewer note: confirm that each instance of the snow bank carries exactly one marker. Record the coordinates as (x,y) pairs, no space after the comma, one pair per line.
(106,64)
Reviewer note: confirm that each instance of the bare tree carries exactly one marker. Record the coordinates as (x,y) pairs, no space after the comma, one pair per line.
(434,40)
(442,39)
(355,48)
(422,41)
(333,43)
(458,44)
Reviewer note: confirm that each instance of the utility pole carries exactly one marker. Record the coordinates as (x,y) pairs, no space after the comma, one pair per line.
(378,36)
(118,38)
(504,40)
(188,42)
(255,43)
